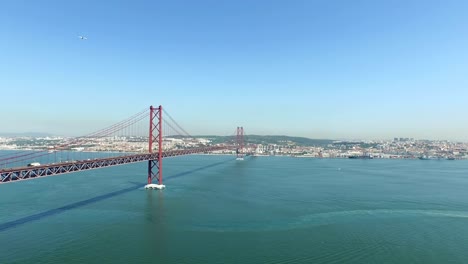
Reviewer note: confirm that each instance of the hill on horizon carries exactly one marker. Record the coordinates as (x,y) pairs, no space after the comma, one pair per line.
(271,139)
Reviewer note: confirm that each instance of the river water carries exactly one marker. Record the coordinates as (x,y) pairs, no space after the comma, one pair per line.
(260,210)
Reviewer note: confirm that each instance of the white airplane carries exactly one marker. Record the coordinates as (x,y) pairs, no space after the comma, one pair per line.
(83,38)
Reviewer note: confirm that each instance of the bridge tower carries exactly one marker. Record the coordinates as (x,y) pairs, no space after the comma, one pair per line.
(155,135)
(240,143)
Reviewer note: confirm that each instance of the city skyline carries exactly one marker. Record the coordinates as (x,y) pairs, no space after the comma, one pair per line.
(333,70)
(30,134)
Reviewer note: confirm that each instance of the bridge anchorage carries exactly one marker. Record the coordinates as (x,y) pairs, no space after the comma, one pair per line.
(119,144)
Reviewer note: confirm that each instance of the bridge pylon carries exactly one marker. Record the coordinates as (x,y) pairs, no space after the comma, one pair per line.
(155,169)
(240,143)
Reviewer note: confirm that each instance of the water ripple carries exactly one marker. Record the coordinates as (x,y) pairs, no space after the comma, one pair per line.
(327,218)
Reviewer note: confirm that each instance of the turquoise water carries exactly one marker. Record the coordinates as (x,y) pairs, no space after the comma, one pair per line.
(260,210)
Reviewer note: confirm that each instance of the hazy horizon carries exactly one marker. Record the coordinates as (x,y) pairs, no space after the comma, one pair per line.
(316,69)
(46,134)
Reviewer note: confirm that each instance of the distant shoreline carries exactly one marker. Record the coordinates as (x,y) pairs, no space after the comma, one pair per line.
(233,154)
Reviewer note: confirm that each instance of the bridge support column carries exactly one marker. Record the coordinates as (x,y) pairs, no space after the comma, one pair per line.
(155,135)
(240,143)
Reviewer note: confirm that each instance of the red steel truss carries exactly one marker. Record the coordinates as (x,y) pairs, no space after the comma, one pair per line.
(27,173)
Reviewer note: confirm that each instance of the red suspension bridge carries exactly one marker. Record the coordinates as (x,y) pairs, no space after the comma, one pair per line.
(125,142)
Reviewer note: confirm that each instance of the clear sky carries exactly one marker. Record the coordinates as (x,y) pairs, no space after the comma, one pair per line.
(321,69)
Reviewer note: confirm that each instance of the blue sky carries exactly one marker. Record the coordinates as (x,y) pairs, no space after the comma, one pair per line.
(321,69)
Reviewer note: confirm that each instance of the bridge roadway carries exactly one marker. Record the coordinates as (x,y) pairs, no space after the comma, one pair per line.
(29,173)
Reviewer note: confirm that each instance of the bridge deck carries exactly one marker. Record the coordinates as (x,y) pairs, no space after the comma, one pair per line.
(28,173)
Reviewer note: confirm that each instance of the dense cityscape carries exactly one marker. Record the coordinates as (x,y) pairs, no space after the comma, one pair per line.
(398,148)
